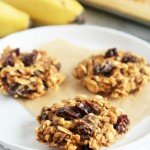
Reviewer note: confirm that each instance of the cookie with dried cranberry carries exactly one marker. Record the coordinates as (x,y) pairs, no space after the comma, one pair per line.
(81,123)
(113,72)
(28,75)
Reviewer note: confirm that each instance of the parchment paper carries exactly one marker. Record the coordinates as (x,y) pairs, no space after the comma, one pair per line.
(137,105)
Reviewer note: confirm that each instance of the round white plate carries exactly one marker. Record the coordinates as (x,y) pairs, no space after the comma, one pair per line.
(17,124)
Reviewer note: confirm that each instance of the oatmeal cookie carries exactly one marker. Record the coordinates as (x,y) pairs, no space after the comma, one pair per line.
(81,123)
(28,75)
(114,72)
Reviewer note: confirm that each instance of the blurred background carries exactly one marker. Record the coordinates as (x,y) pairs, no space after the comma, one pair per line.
(131,16)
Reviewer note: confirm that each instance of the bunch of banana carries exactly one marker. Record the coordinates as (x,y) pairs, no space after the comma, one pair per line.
(42,12)
(12,20)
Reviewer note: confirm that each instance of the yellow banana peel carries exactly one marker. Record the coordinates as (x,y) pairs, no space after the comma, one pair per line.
(46,12)
(12,20)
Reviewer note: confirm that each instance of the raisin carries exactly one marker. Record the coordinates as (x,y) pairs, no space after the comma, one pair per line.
(86,147)
(29,59)
(77,111)
(122,123)
(58,66)
(26,90)
(85,107)
(13,89)
(129,58)
(83,130)
(9,61)
(105,69)
(97,69)
(45,85)
(93,108)
(111,53)
(17,51)
(44,115)
(68,113)
(4,80)
(16,90)
(86,127)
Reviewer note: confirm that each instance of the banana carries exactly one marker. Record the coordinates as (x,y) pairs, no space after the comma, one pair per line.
(12,20)
(45,12)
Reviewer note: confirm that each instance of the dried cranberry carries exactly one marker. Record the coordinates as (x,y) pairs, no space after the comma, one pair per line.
(9,61)
(122,123)
(129,58)
(85,107)
(29,59)
(69,113)
(83,130)
(105,69)
(111,53)
(86,147)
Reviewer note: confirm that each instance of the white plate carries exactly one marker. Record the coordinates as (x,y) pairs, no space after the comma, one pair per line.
(17,124)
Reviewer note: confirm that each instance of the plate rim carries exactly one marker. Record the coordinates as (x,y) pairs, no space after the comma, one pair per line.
(93,27)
